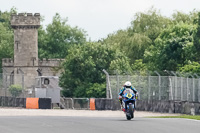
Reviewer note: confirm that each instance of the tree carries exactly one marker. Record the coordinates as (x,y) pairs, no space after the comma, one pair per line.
(173,48)
(15,90)
(139,65)
(179,17)
(191,67)
(6,36)
(58,38)
(133,46)
(5,17)
(197,39)
(144,29)
(150,23)
(82,69)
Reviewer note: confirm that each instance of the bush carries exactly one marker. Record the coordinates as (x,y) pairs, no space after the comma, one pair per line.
(15,90)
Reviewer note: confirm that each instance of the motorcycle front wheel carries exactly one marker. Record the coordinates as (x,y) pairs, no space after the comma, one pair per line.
(130,113)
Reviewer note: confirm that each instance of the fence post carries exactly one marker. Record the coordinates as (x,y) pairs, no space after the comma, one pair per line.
(193,89)
(149,88)
(117,90)
(139,86)
(175,87)
(187,85)
(23,86)
(159,91)
(6,85)
(199,90)
(108,89)
(181,88)
(170,89)
(72,103)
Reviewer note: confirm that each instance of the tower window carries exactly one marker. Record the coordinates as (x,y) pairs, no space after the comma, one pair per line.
(17,44)
(33,59)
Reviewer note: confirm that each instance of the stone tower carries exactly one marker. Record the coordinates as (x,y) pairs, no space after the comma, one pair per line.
(26,66)
(25,47)
(25,39)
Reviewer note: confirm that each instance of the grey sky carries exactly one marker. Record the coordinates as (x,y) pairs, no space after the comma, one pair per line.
(98,17)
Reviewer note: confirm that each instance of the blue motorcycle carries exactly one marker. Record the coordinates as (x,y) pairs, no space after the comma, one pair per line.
(128,100)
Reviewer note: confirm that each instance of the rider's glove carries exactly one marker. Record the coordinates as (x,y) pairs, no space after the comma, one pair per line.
(136,95)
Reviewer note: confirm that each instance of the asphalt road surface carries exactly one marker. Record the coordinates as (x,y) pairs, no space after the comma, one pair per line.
(67,124)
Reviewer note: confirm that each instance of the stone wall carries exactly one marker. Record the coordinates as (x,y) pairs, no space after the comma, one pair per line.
(50,62)
(20,20)
(7,62)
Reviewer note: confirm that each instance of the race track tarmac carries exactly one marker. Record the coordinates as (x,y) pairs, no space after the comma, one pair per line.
(67,124)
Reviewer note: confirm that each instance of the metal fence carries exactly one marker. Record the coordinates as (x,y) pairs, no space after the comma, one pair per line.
(157,87)
(27,82)
(6,80)
(75,103)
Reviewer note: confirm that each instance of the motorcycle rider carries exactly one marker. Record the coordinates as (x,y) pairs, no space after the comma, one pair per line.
(126,85)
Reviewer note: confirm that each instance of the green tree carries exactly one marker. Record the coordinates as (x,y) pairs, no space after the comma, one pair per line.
(82,69)
(133,46)
(15,90)
(173,48)
(5,17)
(150,23)
(144,29)
(6,36)
(139,65)
(42,43)
(179,17)
(191,67)
(58,37)
(197,38)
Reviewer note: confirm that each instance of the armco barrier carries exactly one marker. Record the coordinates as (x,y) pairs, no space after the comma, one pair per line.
(30,103)
(44,103)
(92,103)
(38,103)
(106,104)
(153,105)
(12,102)
(168,106)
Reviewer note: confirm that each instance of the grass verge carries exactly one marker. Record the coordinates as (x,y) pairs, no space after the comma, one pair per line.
(195,117)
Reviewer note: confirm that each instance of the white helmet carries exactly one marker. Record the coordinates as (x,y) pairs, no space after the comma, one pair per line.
(128,83)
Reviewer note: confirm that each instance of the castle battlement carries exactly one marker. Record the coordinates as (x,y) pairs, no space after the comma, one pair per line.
(7,62)
(27,20)
(50,62)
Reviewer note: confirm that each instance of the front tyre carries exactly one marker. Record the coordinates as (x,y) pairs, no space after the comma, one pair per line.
(131,111)
(128,117)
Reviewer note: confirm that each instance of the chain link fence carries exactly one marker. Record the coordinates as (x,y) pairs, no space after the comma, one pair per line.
(6,80)
(75,103)
(157,87)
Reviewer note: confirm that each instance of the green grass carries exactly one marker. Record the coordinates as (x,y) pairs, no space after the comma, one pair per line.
(195,117)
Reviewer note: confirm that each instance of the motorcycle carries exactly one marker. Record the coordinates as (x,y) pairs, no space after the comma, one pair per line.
(128,100)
